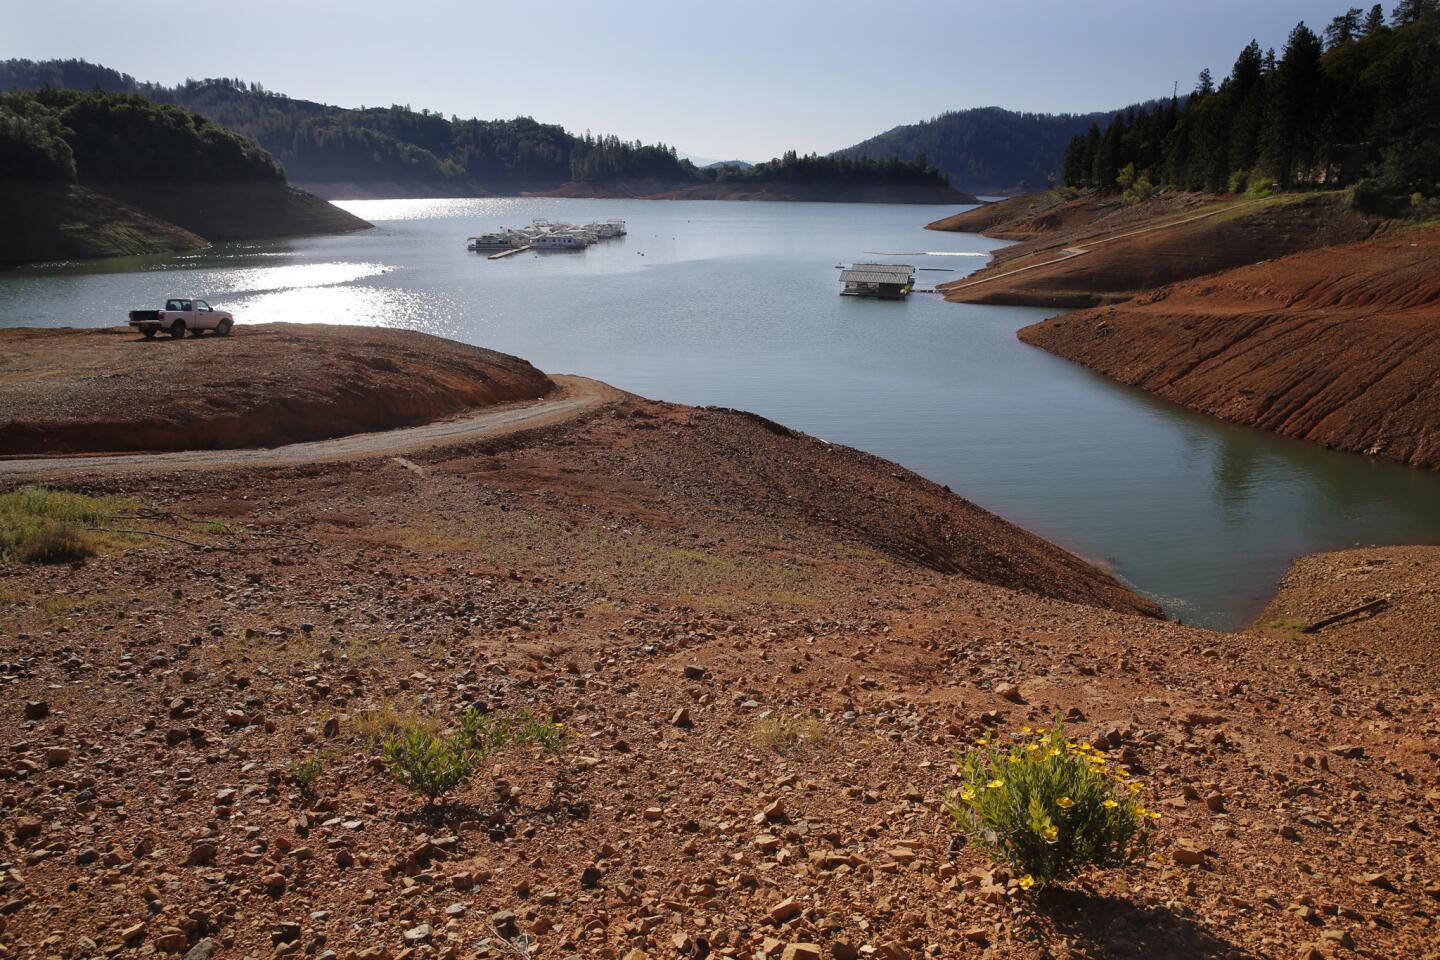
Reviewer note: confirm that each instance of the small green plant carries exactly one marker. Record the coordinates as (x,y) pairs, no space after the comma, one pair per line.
(487,732)
(789,734)
(427,763)
(306,774)
(38,525)
(1048,806)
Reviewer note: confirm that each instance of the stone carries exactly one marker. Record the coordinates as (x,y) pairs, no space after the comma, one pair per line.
(202,854)
(681,718)
(693,671)
(801,951)
(1351,751)
(1188,854)
(37,710)
(786,909)
(28,827)
(977,935)
(1216,802)
(1009,691)
(420,934)
(57,756)
(776,811)
(590,877)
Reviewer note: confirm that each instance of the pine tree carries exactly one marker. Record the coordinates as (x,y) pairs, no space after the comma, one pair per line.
(1343,29)
(1374,20)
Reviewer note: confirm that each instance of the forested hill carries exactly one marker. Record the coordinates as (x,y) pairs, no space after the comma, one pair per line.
(91,173)
(422,152)
(1357,106)
(987,149)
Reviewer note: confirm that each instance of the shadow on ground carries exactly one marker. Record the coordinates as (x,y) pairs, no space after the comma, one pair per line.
(1107,926)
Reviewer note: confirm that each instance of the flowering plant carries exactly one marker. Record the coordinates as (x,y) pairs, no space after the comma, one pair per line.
(1048,806)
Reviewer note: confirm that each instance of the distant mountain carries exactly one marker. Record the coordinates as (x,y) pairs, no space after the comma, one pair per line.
(986,150)
(399,152)
(732,164)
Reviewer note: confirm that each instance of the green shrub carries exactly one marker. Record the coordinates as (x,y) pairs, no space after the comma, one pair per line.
(1239,180)
(429,764)
(1048,806)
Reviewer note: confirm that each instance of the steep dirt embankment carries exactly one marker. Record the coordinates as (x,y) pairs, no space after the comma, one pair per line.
(1095,250)
(55,221)
(1338,346)
(107,390)
(752,465)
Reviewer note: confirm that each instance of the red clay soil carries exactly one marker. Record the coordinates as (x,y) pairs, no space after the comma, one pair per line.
(107,390)
(1337,346)
(1127,250)
(767,689)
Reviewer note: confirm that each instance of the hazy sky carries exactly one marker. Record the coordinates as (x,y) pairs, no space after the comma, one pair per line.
(743,79)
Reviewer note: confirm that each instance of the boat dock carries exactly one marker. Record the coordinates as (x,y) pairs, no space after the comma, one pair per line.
(544,235)
(884,281)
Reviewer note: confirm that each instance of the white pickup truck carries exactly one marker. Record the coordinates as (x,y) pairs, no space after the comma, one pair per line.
(181,314)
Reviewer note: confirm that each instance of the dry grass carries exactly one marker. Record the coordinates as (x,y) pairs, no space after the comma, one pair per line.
(38,525)
(791,735)
(380,723)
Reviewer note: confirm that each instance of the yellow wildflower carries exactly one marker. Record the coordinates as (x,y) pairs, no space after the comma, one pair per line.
(1065,803)
(1026,882)
(995,784)
(1110,804)
(1051,834)
(967,794)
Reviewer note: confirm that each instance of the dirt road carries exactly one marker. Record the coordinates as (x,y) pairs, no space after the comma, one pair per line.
(577,395)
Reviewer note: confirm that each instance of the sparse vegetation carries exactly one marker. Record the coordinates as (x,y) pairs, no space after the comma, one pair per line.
(432,764)
(307,773)
(38,525)
(1048,806)
(790,735)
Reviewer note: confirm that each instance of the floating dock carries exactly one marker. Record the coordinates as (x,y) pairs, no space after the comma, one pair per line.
(545,235)
(884,281)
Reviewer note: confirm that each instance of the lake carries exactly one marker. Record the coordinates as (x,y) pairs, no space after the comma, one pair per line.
(736,304)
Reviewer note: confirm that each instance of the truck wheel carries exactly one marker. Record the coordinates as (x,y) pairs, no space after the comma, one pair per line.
(223,329)
(148,333)
(177,329)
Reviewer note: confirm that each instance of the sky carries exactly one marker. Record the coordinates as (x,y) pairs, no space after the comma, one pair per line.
(739,79)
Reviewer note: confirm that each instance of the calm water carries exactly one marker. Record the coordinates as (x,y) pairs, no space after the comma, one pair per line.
(736,304)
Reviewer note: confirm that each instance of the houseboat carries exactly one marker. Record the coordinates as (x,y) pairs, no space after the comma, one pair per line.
(885,281)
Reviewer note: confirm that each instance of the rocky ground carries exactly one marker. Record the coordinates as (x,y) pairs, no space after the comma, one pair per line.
(768,672)
(68,390)
(1338,346)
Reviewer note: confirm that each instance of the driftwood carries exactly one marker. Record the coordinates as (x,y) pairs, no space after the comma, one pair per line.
(1373,606)
(150,533)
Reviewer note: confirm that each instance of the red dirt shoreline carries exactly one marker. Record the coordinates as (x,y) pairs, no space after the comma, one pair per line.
(65,390)
(1336,346)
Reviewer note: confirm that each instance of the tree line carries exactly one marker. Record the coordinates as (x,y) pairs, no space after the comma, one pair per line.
(100,137)
(318,143)
(1359,105)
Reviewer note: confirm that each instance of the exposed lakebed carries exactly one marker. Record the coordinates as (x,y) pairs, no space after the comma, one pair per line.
(735,304)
